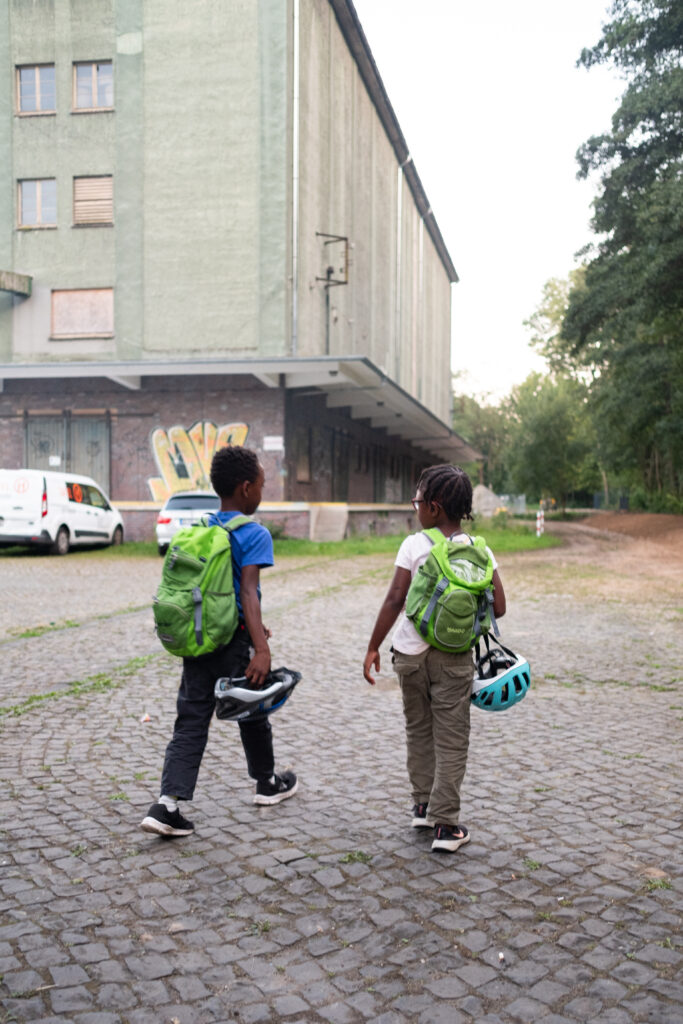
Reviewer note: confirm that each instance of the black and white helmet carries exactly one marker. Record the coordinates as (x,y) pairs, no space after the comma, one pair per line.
(237,701)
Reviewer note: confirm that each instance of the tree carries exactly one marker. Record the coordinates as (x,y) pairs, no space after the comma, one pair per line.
(485,426)
(551,448)
(624,320)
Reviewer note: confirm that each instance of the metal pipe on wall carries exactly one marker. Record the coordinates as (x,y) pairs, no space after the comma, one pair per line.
(295,179)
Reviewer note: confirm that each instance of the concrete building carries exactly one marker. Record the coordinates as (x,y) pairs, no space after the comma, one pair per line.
(211,229)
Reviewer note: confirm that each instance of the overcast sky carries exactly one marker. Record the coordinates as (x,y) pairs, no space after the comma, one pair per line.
(493,110)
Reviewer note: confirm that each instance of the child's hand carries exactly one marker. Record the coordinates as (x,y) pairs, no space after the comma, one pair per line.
(258,668)
(371,660)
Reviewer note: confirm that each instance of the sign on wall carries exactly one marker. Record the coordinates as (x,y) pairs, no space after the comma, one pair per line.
(183,456)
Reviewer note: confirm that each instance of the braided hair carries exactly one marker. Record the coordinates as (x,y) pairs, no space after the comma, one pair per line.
(451,487)
(231,466)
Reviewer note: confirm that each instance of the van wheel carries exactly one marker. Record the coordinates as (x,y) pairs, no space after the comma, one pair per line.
(61,542)
(117,537)
(163,550)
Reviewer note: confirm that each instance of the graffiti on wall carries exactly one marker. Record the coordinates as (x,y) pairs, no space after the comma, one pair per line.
(183,456)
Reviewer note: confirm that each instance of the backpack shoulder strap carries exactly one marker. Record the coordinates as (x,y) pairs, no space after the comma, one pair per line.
(435,535)
(232,524)
(236,522)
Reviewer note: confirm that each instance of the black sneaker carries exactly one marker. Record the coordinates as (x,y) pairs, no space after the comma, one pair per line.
(277,788)
(163,822)
(420,816)
(450,837)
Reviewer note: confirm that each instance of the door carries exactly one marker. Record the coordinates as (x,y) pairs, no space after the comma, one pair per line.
(46,445)
(99,516)
(69,444)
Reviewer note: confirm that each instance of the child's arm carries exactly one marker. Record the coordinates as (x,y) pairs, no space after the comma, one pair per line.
(388,613)
(259,666)
(499,603)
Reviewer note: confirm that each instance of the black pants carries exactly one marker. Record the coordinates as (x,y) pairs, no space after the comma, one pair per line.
(196,706)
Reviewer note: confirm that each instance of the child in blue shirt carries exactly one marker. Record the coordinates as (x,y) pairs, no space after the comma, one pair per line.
(237,477)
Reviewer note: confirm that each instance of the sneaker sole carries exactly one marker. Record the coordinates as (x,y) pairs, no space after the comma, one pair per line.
(276,798)
(450,845)
(159,829)
(420,823)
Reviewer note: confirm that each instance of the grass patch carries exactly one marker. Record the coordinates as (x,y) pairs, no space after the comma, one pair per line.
(658,883)
(51,627)
(514,537)
(91,684)
(356,857)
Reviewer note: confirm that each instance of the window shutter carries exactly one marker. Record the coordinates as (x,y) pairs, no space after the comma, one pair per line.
(94,200)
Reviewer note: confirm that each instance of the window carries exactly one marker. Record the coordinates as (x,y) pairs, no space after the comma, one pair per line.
(96,498)
(83,313)
(94,200)
(94,86)
(36,92)
(76,492)
(38,203)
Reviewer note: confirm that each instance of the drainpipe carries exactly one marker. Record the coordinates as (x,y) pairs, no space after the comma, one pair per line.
(399,240)
(295,180)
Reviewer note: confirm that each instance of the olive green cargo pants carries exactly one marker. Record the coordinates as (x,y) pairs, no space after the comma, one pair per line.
(436,689)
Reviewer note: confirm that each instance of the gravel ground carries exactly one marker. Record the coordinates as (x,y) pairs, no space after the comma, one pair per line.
(565,907)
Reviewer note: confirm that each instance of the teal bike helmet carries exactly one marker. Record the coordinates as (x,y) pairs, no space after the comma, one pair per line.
(501,679)
(236,700)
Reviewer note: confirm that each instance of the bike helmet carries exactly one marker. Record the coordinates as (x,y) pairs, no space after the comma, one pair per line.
(237,700)
(501,679)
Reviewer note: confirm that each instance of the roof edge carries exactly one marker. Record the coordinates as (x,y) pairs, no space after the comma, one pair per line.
(357,42)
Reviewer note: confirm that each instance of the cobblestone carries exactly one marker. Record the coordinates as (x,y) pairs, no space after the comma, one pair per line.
(329,907)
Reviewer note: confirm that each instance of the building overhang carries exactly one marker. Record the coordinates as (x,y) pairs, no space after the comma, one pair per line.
(347,382)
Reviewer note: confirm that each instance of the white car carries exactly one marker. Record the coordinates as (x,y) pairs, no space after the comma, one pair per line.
(183,509)
(55,511)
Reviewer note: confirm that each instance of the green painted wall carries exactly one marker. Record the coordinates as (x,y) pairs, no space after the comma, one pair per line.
(197,145)
(61,146)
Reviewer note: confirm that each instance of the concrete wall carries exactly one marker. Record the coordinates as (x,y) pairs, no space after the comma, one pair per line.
(197,146)
(61,146)
(396,306)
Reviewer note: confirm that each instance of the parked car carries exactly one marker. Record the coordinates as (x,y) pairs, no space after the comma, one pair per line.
(183,509)
(55,511)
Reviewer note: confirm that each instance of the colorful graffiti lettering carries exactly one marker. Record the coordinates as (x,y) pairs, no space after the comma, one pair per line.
(183,456)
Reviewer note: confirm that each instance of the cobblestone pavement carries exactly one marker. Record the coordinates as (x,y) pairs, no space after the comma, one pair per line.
(565,907)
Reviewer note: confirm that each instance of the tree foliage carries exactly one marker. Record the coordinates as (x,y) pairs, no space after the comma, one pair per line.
(624,317)
(551,446)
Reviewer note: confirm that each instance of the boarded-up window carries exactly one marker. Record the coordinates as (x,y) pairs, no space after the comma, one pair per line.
(94,200)
(83,313)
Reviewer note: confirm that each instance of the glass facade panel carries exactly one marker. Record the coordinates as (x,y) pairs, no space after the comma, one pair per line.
(48,94)
(94,86)
(28,99)
(105,85)
(48,205)
(84,88)
(29,202)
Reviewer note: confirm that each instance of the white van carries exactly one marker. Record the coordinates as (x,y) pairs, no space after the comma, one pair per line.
(55,511)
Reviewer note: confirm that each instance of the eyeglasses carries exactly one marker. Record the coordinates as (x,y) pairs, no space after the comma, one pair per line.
(415,502)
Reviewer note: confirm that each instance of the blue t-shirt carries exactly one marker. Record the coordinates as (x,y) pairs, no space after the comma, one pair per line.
(250,544)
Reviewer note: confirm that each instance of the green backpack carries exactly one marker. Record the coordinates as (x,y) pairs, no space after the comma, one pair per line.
(450,599)
(195,609)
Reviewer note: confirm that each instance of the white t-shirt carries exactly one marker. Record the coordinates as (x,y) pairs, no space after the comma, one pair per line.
(411,555)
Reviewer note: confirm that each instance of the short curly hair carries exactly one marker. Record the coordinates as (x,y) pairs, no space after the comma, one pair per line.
(451,487)
(231,466)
